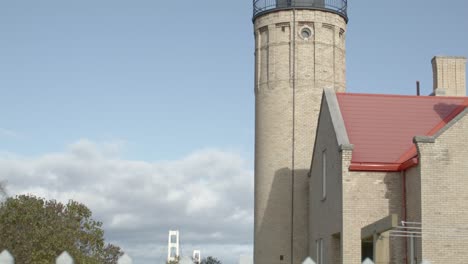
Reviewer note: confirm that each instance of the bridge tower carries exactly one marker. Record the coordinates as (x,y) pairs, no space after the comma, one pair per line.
(196,256)
(173,246)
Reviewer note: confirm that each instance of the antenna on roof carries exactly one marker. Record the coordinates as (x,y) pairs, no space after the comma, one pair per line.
(418,88)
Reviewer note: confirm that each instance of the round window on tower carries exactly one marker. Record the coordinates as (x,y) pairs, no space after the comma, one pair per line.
(306,33)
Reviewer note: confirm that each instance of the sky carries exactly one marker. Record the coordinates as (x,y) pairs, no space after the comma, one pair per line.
(144,110)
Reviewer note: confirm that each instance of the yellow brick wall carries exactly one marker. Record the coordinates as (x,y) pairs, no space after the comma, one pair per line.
(444,195)
(286,120)
(367,198)
(413,205)
(449,73)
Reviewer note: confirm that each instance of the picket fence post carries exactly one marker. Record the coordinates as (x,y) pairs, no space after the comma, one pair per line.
(64,258)
(125,259)
(308,261)
(6,258)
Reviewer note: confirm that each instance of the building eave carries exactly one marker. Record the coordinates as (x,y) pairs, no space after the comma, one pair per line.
(383,167)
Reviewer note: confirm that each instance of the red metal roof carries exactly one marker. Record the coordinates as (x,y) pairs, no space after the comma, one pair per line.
(382,127)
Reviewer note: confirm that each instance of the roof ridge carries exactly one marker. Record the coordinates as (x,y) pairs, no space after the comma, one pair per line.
(447,119)
(404,95)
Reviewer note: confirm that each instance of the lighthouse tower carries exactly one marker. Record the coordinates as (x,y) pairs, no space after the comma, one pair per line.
(299,51)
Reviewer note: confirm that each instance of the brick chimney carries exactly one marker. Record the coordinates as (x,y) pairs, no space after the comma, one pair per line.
(449,76)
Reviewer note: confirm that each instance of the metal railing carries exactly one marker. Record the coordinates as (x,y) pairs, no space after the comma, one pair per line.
(339,7)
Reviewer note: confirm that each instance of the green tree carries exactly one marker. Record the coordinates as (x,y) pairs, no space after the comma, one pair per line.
(211,260)
(36,231)
(2,190)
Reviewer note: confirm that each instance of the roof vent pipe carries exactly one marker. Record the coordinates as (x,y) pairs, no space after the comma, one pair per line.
(418,90)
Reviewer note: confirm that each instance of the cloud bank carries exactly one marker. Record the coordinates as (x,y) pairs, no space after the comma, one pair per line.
(207,195)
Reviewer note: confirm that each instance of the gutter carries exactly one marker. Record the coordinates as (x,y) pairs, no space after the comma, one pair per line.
(386,167)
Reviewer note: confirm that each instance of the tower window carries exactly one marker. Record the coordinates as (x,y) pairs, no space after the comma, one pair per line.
(341,33)
(306,33)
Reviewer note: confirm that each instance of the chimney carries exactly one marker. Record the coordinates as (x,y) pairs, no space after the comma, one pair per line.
(449,76)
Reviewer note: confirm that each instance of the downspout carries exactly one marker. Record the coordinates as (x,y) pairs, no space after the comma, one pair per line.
(403,173)
(293,130)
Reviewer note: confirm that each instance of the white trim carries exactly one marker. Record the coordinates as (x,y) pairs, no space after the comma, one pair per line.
(324,175)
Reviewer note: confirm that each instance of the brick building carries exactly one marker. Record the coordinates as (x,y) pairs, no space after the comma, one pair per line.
(388,179)
(388,172)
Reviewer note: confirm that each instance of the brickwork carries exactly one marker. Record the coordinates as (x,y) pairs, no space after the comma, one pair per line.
(291,70)
(367,198)
(436,196)
(444,198)
(449,75)
(347,251)
(413,205)
(288,87)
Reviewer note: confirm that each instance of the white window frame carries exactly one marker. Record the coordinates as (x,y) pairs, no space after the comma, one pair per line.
(412,249)
(324,175)
(319,253)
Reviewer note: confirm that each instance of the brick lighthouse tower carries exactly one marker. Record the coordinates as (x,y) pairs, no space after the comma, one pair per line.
(299,51)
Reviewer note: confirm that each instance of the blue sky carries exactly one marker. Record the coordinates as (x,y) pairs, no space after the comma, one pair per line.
(158,85)
(172,76)
(166,77)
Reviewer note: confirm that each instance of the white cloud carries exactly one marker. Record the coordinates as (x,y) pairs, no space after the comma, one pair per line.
(207,195)
(124,221)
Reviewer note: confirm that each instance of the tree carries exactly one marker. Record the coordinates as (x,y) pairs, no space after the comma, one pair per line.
(37,231)
(210,260)
(2,189)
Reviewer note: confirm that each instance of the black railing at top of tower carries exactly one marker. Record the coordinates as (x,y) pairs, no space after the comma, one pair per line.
(339,7)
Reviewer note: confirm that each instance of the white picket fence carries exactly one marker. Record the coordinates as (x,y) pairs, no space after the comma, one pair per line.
(367,261)
(64,258)
(310,261)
